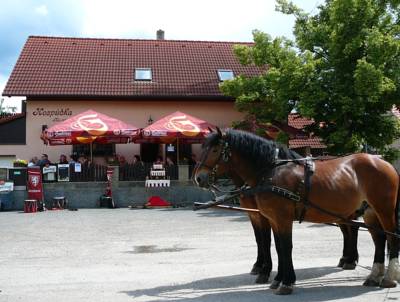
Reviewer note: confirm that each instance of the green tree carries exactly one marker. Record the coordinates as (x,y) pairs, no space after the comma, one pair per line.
(343,71)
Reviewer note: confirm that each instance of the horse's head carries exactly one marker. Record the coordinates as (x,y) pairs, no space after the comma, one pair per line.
(248,156)
(214,159)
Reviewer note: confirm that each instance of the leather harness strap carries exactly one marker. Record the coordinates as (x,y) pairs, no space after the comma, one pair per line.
(266,185)
(309,168)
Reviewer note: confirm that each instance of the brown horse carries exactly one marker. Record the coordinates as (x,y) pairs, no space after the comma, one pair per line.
(338,186)
(262,229)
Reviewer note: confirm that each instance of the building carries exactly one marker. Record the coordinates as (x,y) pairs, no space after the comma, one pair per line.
(306,144)
(136,81)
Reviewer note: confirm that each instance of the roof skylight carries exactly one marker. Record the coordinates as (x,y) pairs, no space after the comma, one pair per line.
(225,74)
(143,74)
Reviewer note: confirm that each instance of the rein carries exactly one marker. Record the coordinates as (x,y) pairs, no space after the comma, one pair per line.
(286,194)
(225,155)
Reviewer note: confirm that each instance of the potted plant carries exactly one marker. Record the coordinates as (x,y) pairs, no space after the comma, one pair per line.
(20,163)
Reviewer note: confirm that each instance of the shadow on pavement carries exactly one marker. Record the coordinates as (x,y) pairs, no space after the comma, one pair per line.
(242,288)
(235,216)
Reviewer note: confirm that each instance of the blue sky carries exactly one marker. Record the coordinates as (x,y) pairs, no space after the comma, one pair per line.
(222,20)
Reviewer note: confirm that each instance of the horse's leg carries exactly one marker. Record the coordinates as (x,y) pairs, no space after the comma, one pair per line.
(393,272)
(278,278)
(345,232)
(288,275)
(387,219)
(352,256)
(257,267)
(350,253)
(378,268)
(266,251)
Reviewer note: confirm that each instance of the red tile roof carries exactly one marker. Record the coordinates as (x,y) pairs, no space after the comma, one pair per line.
(297,121)
(314,143)
(54,66)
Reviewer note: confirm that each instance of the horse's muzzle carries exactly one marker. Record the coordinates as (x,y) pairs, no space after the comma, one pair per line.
(202,179)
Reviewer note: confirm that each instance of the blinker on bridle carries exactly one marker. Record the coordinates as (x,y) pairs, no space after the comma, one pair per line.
(224,155)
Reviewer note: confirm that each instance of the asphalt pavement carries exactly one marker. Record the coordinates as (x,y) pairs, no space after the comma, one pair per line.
(166,255)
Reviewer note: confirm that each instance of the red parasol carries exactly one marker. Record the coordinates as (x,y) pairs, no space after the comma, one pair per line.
(90,127)
(179,127)
(176,126)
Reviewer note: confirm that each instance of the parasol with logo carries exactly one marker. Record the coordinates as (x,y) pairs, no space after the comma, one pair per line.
(90,127)
(177,127)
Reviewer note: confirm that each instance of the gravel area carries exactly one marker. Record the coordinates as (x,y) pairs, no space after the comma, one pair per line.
(166,255)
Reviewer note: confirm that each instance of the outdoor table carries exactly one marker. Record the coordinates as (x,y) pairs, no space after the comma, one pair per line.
(157,173)
(157,183)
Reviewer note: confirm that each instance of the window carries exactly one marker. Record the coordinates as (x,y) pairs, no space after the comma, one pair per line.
(224,74)
(143,74)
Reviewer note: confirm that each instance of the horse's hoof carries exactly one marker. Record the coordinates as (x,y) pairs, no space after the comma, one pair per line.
(274,284)
(349,266)
(371,283)
(262,278)
(284,290)
(386,283)
(341,262)
(255,270)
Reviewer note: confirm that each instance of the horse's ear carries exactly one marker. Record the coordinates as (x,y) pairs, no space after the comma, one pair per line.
(219,132)
(210,129)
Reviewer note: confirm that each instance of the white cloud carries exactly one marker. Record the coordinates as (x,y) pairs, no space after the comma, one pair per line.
(42,10)
(187,20)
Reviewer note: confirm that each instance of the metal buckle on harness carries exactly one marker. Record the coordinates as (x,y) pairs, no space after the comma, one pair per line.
(285,193)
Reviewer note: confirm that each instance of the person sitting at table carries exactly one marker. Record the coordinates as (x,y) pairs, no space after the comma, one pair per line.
(122,160)
(84,160)
(159,160)
(137,161)
(73,158)
(33,162)
(139,168)
(169,162)
(63,159)
(44,161)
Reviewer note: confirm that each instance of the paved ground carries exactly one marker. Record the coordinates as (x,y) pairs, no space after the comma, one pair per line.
(165,255)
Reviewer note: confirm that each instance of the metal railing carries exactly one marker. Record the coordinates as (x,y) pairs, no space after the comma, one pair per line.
(139,171)
(90,172)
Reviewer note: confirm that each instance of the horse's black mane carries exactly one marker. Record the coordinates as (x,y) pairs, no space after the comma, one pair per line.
(253,148)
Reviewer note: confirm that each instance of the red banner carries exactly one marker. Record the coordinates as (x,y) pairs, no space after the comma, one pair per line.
(35,184)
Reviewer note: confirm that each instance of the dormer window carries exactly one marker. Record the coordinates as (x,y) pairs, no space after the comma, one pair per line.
(143,74)
(225,74)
